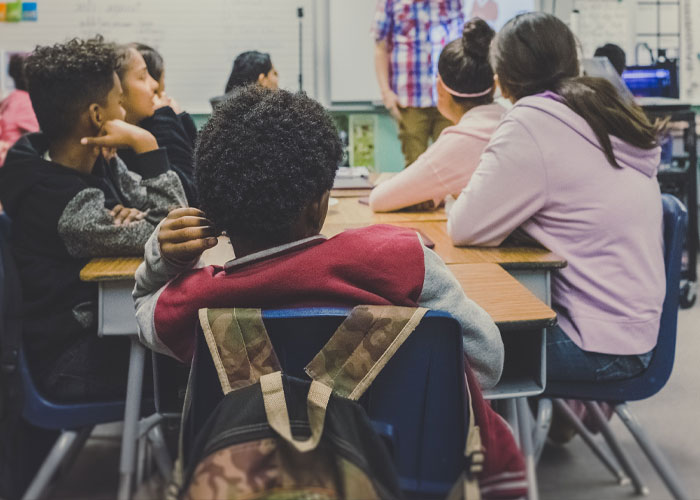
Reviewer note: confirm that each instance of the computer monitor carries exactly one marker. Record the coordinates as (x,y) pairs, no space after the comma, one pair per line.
(657,80)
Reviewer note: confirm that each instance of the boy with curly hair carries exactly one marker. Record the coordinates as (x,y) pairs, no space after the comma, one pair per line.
(71,198)
(264,167)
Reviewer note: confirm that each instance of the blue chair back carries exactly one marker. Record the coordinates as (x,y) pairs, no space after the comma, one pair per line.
(659,370)
(417,402)
(37,410)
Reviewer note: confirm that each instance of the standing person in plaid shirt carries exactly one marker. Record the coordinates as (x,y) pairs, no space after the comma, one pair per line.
(409,36)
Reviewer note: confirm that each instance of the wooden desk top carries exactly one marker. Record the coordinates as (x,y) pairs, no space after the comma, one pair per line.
(124,268)
(110,269)
(512,258)
(508,302)
(350,193)
(350,211)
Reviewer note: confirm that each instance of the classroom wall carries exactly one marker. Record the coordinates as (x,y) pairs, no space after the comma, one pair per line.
(388,156)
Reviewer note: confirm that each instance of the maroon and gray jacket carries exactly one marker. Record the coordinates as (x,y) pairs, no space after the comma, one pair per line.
(373,265)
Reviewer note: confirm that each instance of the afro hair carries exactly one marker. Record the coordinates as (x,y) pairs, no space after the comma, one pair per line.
(263,157)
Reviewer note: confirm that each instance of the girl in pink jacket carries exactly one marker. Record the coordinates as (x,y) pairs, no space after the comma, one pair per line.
(465,89)
(574,166)
(16,112)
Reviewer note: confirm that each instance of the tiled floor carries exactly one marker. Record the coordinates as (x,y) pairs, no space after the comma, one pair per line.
(672,418)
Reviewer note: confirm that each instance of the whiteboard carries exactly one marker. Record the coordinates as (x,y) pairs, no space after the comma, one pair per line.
(198,40)
(352,76)
(607,21)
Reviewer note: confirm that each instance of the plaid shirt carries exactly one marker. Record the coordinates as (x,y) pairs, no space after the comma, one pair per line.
(416,31)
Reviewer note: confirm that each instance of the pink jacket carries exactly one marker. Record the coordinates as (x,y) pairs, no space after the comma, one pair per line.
(447,165)
(16,119)
(545,172)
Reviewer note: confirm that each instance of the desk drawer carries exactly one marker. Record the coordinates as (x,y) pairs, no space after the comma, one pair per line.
(116,314)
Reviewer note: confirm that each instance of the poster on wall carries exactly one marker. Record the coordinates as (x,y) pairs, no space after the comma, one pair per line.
(363,128)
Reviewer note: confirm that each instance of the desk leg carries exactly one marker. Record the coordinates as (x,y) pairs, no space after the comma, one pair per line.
(131,418)
(525,428)
(510,413)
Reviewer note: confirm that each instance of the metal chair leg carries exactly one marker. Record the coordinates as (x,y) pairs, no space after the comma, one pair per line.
(160,452)
(542,425)
(74,450)
(627,464)
(588,438)
(652,452)
(140,461)
(525,430)
(39,485)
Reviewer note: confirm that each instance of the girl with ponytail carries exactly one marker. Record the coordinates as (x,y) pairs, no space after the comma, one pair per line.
(465,88)
(574,166)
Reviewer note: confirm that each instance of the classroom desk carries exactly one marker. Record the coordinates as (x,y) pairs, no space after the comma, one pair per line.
(531,266)
(115,280)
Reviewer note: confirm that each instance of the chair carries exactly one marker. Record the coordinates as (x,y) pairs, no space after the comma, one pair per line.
(75,421)
(645,385)
(416,403)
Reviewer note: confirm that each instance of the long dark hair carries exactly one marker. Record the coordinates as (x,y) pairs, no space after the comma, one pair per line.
(247,67)
(153,59)
(536,52)
(16,70)
(464,63)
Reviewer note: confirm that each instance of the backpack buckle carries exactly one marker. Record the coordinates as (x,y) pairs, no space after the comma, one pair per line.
(474,463)
(9,362)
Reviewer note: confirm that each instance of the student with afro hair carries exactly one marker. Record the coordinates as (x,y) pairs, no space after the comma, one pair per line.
(264,167)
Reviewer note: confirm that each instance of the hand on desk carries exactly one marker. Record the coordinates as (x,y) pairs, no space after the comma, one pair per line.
(123,216)
(184,234)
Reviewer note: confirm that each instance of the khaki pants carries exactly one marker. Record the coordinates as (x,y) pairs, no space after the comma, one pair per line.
(416,127)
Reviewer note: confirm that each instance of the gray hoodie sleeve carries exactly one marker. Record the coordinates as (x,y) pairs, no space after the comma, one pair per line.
(87,228)
(481,339)
(151,186)
(151,277)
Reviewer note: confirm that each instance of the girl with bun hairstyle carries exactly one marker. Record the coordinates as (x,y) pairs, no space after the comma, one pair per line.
(465,88)
(574,166)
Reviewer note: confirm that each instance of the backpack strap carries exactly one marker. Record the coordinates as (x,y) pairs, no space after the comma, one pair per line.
(467,486)
(278,416)
(361,346)
(239,345)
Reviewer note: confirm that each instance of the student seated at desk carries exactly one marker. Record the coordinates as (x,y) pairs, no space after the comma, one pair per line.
(465,89)
(266,161)
(575,167)
(174,131)
(70,198)
(251,67)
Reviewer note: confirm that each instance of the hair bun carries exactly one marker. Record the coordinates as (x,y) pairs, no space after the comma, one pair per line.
(476,38)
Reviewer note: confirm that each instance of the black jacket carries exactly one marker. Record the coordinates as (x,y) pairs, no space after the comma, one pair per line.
(60,219)
(177,134)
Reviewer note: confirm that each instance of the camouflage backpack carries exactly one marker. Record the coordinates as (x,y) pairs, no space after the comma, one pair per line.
(274,436)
